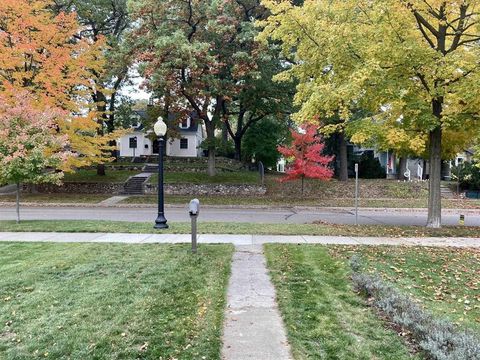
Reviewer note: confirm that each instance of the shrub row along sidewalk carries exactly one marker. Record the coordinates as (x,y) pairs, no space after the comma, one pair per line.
(439,339)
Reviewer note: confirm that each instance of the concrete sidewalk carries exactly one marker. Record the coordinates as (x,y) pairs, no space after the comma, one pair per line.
(253,328)
(237,240)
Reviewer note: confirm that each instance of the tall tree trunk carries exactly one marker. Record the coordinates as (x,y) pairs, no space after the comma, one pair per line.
(238,148)
(210,128)
(101,100)
(434,219)
(303,185)
(101,170)
(434,191)
(343,174)
(110,125)
(402,168)
(224,135)
(211,171)
(18,202)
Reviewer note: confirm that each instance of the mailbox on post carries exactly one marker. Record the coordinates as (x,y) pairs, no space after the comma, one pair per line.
(194,210)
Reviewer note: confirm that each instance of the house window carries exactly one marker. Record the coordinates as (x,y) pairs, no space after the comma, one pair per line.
(185,124)
(183,143)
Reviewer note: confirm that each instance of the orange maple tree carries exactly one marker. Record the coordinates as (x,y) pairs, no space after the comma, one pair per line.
(41,53)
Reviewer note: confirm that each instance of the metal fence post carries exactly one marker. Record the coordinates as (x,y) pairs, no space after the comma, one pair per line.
(261,170)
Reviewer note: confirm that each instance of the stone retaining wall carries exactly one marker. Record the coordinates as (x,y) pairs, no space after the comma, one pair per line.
(207,189)
(149,189)
(77,188)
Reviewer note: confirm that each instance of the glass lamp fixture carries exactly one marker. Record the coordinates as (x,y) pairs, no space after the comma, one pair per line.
(160,127)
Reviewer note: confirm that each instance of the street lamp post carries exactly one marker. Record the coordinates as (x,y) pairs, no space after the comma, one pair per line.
(160,129)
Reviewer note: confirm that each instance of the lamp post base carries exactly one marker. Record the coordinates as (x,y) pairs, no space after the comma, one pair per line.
(160,223)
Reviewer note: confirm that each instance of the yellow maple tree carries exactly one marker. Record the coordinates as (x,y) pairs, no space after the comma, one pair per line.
(410,65)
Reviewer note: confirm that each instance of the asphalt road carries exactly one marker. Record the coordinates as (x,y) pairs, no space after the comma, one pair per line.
(232,215)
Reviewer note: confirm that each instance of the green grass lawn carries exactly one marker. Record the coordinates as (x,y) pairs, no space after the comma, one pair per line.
(104,301)
(324,318)
(242,177)
(445,281)
(245,201)
(57,198)
(239,228)
(112,176)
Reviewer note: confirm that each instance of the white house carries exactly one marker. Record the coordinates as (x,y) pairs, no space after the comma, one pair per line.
(186,143)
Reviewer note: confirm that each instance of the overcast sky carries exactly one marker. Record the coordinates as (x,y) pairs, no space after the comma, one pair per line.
(134,91)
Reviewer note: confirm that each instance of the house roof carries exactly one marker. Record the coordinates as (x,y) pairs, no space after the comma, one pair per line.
(172,121)
(142,115)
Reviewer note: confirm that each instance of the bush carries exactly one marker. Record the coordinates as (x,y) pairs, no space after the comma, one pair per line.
(439,339)
(225,149)
(261,141)
(469,176)
(369,167)
(222,149)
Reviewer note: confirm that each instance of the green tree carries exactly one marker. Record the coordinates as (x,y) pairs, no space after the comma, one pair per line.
(259,96)
(262,139)
(413,64)
(193,56)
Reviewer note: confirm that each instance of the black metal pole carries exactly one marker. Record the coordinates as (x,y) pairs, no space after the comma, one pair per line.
(161,222)
(458,179)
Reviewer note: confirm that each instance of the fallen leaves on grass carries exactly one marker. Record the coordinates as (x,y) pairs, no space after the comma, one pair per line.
(443,279)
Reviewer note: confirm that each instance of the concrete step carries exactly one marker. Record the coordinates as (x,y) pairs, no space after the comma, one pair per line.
(446,192)
(134,185)
(150,168)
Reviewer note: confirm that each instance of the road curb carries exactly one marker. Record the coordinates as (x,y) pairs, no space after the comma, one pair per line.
(246,207)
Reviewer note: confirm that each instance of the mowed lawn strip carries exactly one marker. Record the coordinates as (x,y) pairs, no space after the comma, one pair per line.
(324,317)
(446,281)
(238,228)
(56,198)
(264,200)
(242,177)
(100,301)
(111,176)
